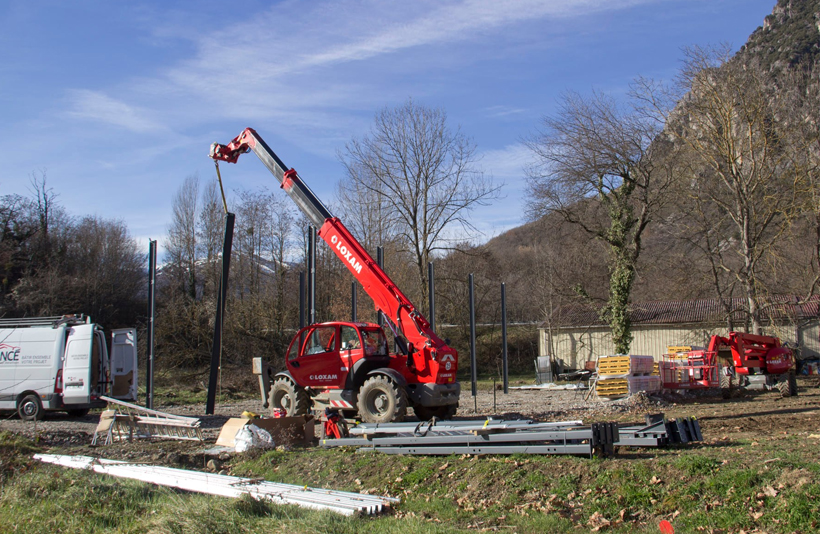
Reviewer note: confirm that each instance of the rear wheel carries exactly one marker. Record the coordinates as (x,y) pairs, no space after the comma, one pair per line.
(289,397)
(29,408)
(726,386)
(425,413)
(381,401)
(784,385)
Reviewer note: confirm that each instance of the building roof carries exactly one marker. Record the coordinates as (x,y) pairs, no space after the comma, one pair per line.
(706,311)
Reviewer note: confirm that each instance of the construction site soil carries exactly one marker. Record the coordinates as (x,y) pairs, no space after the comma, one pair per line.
(748,414)
(746,431)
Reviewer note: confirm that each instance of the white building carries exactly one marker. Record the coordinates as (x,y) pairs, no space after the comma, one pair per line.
(577,334)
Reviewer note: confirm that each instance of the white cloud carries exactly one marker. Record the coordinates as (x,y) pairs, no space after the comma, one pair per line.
(96,106)
(282,59)
(507,163)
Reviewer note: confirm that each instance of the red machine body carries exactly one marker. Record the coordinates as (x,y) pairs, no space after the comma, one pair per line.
(752,361)
(751,354)
(332,362)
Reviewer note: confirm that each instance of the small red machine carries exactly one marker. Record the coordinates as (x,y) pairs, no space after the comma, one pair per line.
(754,362)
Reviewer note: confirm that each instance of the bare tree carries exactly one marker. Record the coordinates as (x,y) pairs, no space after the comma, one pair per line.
(600,166)
(727,122)
(210,230)
(182,242)
(366,209)
(426,176)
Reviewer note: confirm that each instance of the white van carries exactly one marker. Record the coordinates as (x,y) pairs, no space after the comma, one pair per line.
(62,363)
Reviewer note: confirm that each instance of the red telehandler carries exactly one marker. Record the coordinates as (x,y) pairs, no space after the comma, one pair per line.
(346,365)
(753,362)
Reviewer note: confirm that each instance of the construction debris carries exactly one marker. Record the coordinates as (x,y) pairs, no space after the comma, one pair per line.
(622,375)
(130,421)
(342,502)
(298,430)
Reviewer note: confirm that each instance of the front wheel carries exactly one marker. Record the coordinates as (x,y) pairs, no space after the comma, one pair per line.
(425,413)
(30,408)
(287,396)
(381,401)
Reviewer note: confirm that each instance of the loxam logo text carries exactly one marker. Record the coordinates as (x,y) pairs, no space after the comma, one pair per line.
(324,377)
(346,254)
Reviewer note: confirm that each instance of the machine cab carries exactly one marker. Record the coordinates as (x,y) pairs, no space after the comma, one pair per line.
(324,355)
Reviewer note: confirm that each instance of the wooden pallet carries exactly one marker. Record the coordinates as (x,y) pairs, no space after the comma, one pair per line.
(612,387)
(625,365)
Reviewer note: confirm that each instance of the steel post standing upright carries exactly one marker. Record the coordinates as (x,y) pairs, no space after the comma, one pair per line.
(301,299)
(380,263)
(152,279)
(353,302)
(473,370)
(311,275)
(216,349)
(431,290)
(504,368)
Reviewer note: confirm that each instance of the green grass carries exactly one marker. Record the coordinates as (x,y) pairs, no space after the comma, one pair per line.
(748,486)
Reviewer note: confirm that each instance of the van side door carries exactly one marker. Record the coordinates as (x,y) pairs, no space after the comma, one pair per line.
(77,365)
(123,364)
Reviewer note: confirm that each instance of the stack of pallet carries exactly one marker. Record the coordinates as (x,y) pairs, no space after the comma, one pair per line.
(622,375)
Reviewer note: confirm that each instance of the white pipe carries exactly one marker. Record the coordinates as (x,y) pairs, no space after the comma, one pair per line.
(346,503)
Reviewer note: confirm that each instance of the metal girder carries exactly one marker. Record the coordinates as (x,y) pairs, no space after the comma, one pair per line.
(517,436)
(490,437)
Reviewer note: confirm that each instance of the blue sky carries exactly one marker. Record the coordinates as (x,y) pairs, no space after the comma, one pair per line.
(117,102)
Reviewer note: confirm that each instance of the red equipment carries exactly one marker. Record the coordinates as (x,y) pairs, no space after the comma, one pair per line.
(347,365)
(754,362)
(695,369)
(738,360)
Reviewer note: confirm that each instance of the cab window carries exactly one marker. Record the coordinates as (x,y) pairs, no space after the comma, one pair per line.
(321,339)
(350,338)
(375,344)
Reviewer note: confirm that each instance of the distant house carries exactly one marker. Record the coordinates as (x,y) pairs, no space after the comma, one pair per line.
(576,334)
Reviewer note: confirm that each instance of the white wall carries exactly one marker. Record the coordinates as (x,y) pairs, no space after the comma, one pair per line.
(576,346)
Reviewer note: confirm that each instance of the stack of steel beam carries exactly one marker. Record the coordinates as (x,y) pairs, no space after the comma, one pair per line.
(483,437)
(517,436)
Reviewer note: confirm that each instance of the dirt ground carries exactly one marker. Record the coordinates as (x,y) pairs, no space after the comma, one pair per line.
(749,415)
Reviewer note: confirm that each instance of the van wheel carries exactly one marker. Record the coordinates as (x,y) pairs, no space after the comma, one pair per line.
(78,413)
(381,401)
(29,408)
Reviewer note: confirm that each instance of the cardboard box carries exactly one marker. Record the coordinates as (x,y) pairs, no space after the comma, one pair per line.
(284,430)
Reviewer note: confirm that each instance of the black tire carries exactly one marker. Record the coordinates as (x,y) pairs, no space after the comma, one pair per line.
(381,401)
(29,408)
(80,412)
(783,385)
(288,396)
(792,383)
(726,386)
(425,413)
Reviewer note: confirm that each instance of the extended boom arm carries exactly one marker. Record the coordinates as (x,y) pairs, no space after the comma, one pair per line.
(424,346)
